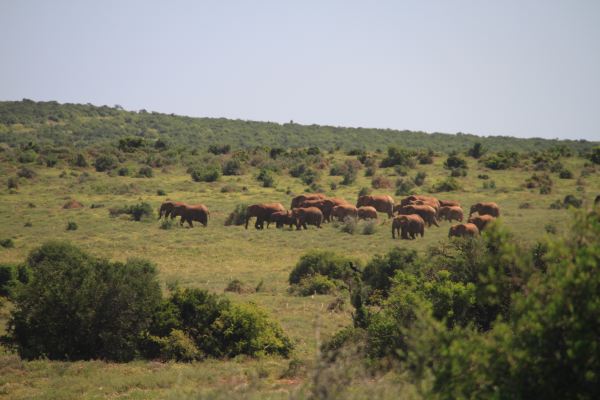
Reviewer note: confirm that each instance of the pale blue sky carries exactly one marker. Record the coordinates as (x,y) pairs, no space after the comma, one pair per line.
(518,68)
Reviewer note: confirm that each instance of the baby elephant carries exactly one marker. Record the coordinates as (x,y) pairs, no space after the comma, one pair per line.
(450,213)
(411,224)
(307,216)
(282,218)
(462,230)
(367,212)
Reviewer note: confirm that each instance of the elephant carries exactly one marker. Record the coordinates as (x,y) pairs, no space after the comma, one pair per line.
(426,212)
(262,212)
(382,203)
(486,209)
(367,212)
(481,221)
(189,213)
(167,207)
(344,210)
(307,216)
(281,218)
(450,213)
(462,230)
(421,200)
(298,200)
(405,225)
(325,205)
(449,203)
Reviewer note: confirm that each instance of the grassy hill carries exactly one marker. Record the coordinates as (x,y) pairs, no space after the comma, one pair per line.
(86,125)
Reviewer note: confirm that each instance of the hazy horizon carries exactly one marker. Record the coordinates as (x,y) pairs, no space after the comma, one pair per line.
(523,69)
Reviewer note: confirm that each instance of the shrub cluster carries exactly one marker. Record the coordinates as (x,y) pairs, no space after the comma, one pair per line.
(137,211)
(321,272)
(73,306)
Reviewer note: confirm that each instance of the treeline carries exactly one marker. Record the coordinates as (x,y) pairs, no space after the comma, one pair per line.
(474,318)
(87,125)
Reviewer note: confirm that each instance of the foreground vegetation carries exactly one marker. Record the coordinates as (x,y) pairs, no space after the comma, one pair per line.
(400,320)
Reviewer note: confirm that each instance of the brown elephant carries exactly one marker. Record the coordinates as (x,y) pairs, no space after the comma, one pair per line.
(167,207)
(489,208)
(189,213)
(281,218)
(405,225)
(262,212)
(462,230)
(481,221)
(307,216)
(449,203)
(298,200)
(450,213)
(421,200)
(382,203)
(367,212)
(325,205)
(426,212)
(344,210)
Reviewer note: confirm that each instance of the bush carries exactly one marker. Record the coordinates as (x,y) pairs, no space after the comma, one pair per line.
(565,174)
(160,192)
(325,263)
(80,161)
(105,163)
(7,243)
(167,224)
(145,172)
(217,328)
(381,182)
(369,227)
(314,284)
(379,272)
(27,156)
(235,286)
(572,201)
(364,191)
(7,278)
(477,150)
(78,307)
(12,183)
(137,211)
(123,171)
(595,155)
(398,156)
(205,174)
(51,161)
(72,226)
(419,179)
(266,177)
(425,157)
(458,172)
(349,225)
(219,149)
(448,185)
(483,176)
(455,162)
(26,173)
(176,346)
(502,160)
(232,167)
(237,216)
(489,185)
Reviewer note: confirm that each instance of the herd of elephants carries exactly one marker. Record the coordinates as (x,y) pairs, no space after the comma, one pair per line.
(410,216)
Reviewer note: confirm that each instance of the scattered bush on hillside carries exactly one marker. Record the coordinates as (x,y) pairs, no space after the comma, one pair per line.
(12,182)
(161,192)
(364,191)
(219,149)
(349,225)
(7,243)
(381,182)
(314,284)
(145,172)
(404,187)
(7,278)
(105,163)
(72,226)
(595,155)
(425,157)
(447,185)
(369,227)
(232,166)
(502,160)
(27,156)
(341,270)
(237,216)
(568,201)
(476,151)
(137,211)
(455,162)
(266,177)
(123,171)
(26,173)
(209,173)
(565,174)
(398,156)
(235,286)
(419,179)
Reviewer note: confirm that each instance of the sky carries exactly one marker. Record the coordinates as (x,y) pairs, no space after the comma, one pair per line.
(515,68)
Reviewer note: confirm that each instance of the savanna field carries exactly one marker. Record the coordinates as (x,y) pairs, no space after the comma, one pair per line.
(40,143)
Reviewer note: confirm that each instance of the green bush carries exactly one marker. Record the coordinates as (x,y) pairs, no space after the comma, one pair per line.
(378,273)
(325,263)
(12,183)
(105,163)
(167,224)
(237,216)
(266,177)
(205,174)
(161,192)
(315,284)
(595,155)
(477,150)
(447,185)
(398,156)
(404,186)
(72,226)
(7,243)
(369,227)
(419,179)
(235,286)
(232,167)
(26,173)
(145,172)
(137,211)
(502,160)
(455,162)
(565,174)
(7,278)
(123,171)
(27,156)
(80,161)
(349,225)
(78,307)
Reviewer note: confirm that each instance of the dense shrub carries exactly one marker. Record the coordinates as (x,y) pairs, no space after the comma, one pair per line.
(232,166)
(364,191)
(145,172)
(381,182)
(123,171)
(595,155)
(266,177)
(369,227)
(314,284)
(7,278)
(235,285)
(447,185)
(12,182)
(80,161)
(219,149)
(7,243)
(455,162)
(161,192)
(425,157)
(349,225)
(419,179)
(105,163)
(130,144)
(237,216)
(404,186)
(502,160)
(208,173)
(137,211)
(27,156)
(325,263)
(477,150)
(398,156)
(378,273)
(72,226)
(76,306)
(26,173)
(565,174)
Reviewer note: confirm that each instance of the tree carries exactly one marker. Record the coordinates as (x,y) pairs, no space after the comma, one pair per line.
(477,150)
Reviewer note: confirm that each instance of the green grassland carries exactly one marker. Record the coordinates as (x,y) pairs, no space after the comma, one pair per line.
(210,257)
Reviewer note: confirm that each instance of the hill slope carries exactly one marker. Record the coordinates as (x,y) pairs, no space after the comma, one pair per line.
(84,125)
